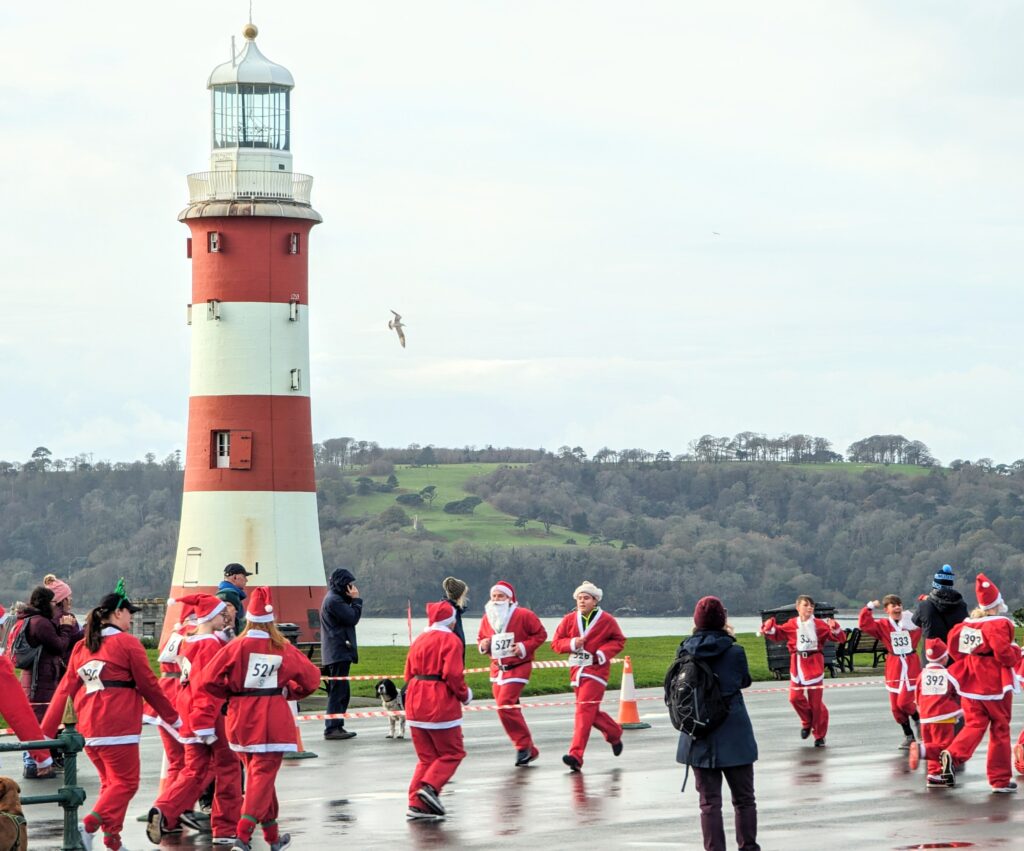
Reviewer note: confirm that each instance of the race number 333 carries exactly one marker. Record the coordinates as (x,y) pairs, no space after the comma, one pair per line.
(901,643)
(970,640)
(262,670)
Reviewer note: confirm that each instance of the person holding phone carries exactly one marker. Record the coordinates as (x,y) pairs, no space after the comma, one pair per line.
(339,613)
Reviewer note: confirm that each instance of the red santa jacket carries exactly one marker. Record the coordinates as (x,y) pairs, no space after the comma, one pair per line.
(527,633)
(257,679)
(937,694)
(435,679)
(108,688)
(984,657)
(806,667)
(170,677)
(592,649)
(194,702)
(902,664)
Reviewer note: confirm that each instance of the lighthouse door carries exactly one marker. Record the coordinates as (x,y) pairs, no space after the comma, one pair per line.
(192,558)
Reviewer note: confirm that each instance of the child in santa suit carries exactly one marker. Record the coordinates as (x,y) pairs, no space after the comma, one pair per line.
(108,676)
(938,703)
(207,752)
(17,712)
(260,671)
(805,636)
(511,635)
(984,658)
(899,636)
(592,638)
(436,693)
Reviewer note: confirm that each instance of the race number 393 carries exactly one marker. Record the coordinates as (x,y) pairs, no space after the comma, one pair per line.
(262,670)
(970,640)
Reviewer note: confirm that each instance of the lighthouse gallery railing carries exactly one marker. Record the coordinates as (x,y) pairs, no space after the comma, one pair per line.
(246,185)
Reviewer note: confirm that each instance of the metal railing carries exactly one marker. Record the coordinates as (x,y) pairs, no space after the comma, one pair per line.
(249,186)
(70,796)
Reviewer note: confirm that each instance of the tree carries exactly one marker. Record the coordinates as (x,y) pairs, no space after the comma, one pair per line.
(426,458)
(462,506)
(364,486)
(393,480)
(521,522)
(429,493)
(41,458)
(413,500)
(548,518)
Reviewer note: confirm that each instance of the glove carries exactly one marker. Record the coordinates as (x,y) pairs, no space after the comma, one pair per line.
(484,645)
(521,650)
(601,658)
(469,697)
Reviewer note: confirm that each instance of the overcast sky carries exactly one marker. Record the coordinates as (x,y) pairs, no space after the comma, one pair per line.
(536,187)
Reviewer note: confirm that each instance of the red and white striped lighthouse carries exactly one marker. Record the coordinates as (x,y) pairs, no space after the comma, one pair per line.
(250,492)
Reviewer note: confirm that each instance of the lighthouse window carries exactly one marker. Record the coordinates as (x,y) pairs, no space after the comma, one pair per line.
(296,379)
(213,241)
(293,243)
(247,115)
(222,449)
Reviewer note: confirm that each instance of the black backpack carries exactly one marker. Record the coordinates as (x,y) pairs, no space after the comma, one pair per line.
(23,654)
(693,695)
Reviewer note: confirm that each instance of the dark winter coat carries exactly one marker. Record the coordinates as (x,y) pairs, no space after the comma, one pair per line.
(55,641)
(339,614)
(733,743)
(939,612)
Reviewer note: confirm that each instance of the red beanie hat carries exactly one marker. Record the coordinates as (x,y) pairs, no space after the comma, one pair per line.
(988,595)
(260,609)
(935,650)
(709,613)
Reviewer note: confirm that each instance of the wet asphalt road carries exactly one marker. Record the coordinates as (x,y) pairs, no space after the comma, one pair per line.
(856,793)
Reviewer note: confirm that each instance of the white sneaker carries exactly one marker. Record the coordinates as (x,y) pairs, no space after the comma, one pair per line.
(1008,789)
(86,836)
(225,840)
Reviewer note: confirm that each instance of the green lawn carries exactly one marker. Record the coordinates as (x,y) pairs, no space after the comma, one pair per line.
(486,525)
(856,469)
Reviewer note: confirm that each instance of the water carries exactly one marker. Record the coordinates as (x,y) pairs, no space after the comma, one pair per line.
(388,632)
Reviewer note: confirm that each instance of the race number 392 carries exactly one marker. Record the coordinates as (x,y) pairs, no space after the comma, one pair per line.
(970,640)
(262,670)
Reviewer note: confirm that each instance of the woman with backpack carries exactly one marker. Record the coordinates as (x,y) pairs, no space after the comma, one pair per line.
(730,749)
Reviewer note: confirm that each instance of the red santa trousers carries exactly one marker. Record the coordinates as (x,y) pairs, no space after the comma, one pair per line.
(979,716)
(809,703)
(512,719)
(118,768)
(259,805)
(588,714)
(203,763)
(902,704)
(439,753)
(937,737)
(174,751)
(17,711)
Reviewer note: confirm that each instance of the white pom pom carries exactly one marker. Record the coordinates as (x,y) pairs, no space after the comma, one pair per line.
(176,627)
(171,601)
(268,608)
(986,584)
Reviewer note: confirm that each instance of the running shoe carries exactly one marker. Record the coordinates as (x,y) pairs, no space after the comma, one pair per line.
(616,747)
(907,742)
(428,794)
(934,781)
(85,836)
(283,841)
(573,763)
(819,743)
(421,815)
(946,761)
(1008,789)
(805,732)
(526,756)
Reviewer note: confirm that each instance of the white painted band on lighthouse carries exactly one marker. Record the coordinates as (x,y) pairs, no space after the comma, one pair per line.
(250,350)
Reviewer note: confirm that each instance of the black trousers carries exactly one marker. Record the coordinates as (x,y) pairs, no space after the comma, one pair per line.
(741,785)
(338,694)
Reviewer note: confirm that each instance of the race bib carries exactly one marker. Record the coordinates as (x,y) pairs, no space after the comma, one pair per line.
(169,655)
(580,659)
(935,683)
(89,674)
(970,640)
(262,671)
(806,642)
(901,643)
(503,644)
(185,664)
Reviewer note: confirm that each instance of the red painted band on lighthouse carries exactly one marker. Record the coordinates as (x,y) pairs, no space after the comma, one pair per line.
(253,261)
(280,447)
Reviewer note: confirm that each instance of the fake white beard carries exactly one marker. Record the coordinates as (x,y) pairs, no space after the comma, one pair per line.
(498,614)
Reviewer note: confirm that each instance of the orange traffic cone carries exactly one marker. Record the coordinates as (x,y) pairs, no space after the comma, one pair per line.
(301,753)
(629,715)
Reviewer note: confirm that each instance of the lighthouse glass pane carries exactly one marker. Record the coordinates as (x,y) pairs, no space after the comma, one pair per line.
(247,115)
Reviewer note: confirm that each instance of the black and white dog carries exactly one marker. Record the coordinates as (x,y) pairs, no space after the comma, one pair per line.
(391,699)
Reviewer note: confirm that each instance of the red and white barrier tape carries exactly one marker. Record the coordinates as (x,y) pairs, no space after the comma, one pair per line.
(558,663)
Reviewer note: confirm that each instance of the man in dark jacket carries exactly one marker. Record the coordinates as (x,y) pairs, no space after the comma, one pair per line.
(730,750)
(232,590)
(942,609)
(339,613)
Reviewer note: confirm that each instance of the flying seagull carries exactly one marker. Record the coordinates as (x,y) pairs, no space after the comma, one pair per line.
(397,326)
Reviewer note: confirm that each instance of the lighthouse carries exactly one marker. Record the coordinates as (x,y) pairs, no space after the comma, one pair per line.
(250,490)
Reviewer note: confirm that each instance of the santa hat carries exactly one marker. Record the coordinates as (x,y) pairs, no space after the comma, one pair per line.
(935,650)
(503,587)
(205,607)
(988,595)
(441,613)
(260,609)
(590,588)
(61,590)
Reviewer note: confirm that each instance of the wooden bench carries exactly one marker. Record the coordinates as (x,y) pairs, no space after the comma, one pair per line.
(859,643)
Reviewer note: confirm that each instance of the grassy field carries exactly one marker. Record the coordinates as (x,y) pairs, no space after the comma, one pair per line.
(486,525)
(856,469)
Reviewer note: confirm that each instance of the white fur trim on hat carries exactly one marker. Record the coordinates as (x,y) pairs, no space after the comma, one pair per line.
(504,589)
(209,616)
(588,587)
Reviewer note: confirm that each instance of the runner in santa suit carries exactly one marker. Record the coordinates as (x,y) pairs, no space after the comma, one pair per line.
(511,635)
(258,673)
(899,635)
(592,638)
(938,702)
(18,714)
(805,636)
(984,657)
(436,693)
(207,752)
(108,676)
